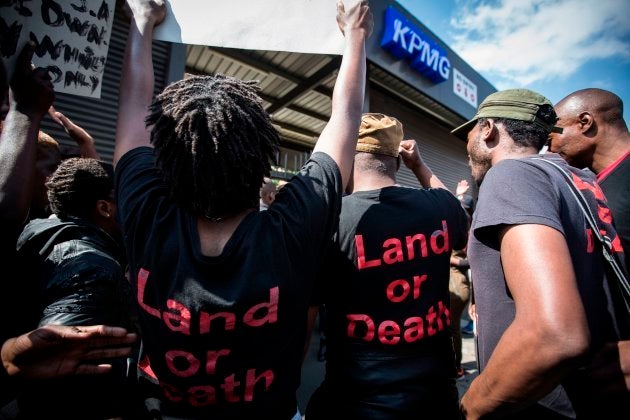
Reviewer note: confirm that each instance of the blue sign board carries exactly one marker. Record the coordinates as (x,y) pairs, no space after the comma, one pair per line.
(405,41)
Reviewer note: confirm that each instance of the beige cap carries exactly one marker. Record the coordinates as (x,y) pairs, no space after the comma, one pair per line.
(379,134)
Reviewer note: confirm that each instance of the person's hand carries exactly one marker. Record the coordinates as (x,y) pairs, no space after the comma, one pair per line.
(462,187)
(472,313)
(82,138)
(410,154)
(358,17)
(153,11)
(31,89)
(60,350)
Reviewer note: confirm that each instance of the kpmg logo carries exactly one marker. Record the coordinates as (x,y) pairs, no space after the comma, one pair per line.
(405,41)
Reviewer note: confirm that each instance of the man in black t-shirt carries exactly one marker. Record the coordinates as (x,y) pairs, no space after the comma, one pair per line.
(595,136)
(223,288)
(542,298)
(385,287)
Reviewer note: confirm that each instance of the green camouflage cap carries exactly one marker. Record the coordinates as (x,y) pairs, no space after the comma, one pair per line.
(513,104)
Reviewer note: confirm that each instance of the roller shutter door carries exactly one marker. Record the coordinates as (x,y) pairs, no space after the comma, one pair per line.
(445,154)
(98,116)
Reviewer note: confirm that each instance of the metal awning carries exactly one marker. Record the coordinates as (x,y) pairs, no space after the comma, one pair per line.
(297,88)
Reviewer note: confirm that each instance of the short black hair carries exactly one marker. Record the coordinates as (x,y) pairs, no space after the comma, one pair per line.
(214,143)
(77,184)
(528,134)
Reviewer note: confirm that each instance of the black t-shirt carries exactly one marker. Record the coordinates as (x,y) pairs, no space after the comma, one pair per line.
(526,191)
(616,187)
(385,286)
(224,335)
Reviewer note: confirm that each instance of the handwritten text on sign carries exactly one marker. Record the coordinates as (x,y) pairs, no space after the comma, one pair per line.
(71,39)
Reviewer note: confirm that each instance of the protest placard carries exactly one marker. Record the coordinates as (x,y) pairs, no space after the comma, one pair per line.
(305,26)
(71,39)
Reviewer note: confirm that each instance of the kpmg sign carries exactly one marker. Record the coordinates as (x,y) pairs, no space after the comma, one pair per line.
(405,41)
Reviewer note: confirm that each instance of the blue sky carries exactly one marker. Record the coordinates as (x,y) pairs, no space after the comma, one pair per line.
(554,47)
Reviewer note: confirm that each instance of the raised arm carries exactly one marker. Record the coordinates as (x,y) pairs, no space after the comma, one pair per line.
(339,137)
(410,155)
(82,138)
(30,97)
(137,81)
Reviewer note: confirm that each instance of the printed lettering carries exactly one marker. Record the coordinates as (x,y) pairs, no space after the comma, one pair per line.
(171,393)
(179,318)
(416,43)
(143,277)
(367,331)
(271,309)
(388,332)
(212,358)
(422,240)
(233,391)
(393,251)
(361,261)
(429,56)
(201,395)
(228,387)
(399,33)
(251,380)
(398,290)
(443,234)
(405,40)
(229,321)
(392,288)
(414,329)
(182,363)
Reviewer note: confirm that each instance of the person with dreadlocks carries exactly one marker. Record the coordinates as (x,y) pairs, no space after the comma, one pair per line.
(224,288)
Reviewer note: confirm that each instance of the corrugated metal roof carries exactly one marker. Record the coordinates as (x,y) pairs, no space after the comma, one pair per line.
(297,88)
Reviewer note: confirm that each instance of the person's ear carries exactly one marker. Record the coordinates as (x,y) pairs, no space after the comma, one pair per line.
(105,209)
(488,130)
(585,121)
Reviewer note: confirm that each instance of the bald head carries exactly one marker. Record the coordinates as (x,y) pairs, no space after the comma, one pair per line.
(594,131)
(604,105)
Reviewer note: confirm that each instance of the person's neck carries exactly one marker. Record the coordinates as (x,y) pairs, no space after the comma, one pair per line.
(368,181)
(610,149)
(513,153)
(214,234)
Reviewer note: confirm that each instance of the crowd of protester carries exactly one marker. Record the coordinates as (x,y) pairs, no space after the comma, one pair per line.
(154,287)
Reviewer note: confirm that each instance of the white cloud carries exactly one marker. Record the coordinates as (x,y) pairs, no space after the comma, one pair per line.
(521,42)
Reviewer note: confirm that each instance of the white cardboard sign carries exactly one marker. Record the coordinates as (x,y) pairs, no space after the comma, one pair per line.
(71,40)
(305,26)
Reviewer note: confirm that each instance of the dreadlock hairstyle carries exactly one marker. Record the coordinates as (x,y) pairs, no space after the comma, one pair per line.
(76,186)
(214,143)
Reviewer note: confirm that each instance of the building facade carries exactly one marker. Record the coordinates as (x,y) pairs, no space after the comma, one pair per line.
(412,75)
